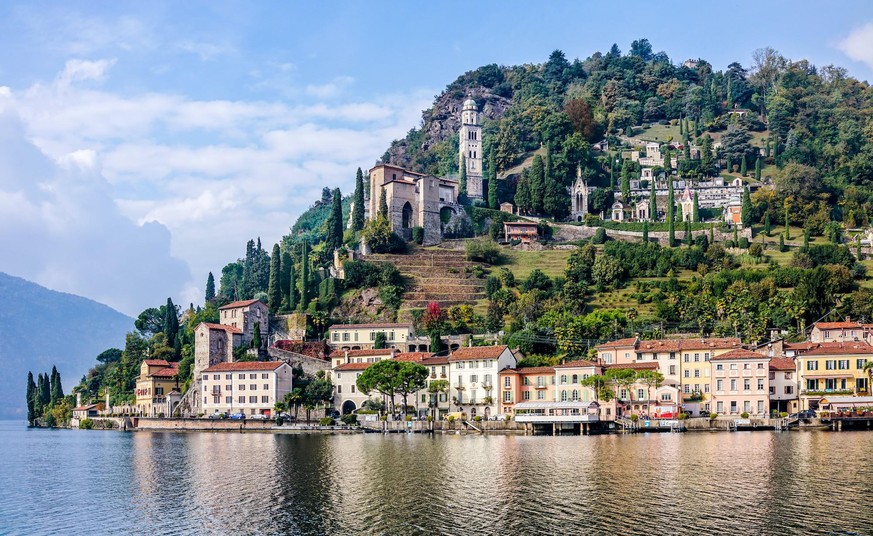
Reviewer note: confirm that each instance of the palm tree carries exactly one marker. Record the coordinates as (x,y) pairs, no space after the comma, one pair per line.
(868,368)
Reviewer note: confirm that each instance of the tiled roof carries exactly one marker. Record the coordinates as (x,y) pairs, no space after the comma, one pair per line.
(837,325)
(238,304)
(619,343)
(436,360)
(368,326)
(647,365)
(352,366)
(536,370)
(415,357)
(577,363)
(245,366)
(167,372)
(220,327)
(157,362)
(805,345)
(362,353)
(782,363)
(739,354)
(477,352)
(709,344)
(659,345)
(839,348)
(83,408)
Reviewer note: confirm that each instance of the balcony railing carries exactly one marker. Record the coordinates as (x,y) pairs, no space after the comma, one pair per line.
(823,392)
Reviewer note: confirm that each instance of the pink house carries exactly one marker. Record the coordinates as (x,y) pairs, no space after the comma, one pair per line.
(741,383)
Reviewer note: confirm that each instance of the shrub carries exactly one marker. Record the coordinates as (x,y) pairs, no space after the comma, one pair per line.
(349,419)
(478,271)
(756,250)
(483,251)
(429,418)
(451,418)
(477,418)
(418,235)
(408,418)
(744,415)
(327,421)
(161,415)
(744,243)
(507,418)
(783,414)
(634,417)
(279,421)
(381,238)
(713,416)
(86,424)
(599,236)
(683,416)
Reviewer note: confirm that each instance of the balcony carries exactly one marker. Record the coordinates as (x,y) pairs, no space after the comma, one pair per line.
(459,386)
(826,392)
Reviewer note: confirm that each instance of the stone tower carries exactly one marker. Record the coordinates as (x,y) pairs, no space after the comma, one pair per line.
(579,197)
(470,147)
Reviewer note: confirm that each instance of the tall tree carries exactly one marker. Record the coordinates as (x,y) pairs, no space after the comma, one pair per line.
(746,209)
(171,323)
(758,169)
(291,294)
(256,336)
(653,203)
(286,266)
(45,395)
(626,170)
(743,169)
(668,160)
(787,224)
(462,184)
(492,183)
(695,209)
(335,222)
(31,390)
(556,200)
(304,277)
(645,232)
(57,390)
(767,223)
(707,161)
(358,210)
(687,232)
(210,287)
(274,293)
(537,184)
(522,193)
(671,214)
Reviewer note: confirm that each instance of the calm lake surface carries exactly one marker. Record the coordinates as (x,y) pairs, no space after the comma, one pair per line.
(96,482)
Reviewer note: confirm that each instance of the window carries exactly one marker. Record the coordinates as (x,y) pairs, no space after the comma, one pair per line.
(706,356)
(423,399)
(460,364)
(242,387)
(474,378)
(812,365)
(697,373)
(747,385)
(228,400)
(760,407)
(686,373)
(747,406)
(241,377)
(563,396)
(733,385)
(265,399)
(575,395)
(486,379)
(228,387)
(843,364)
(789,390)
(507,382)
(705,387)
(563,379)
(253,400)
(760,385)
(507,396)
(265,376)
(686,388)
(353,388)
(242,400)
(266,387)
(665,397)
(372,335)
(733,366)
(831,364)
(719,385)
(672,355)
(345,337)
(655,356)
(525,395)
(228,376)
(672,369)
(525,381)
(541,381)
(575,378)
(641,394)
(859,364)
(719,407)
(811,385)
(216,376)
(339,389)
(686,358)
(760,366)
(697,358)
(391,336)
(733,406)
(474,364)
(540,395)
(746,366)
(335,337)
(253,387)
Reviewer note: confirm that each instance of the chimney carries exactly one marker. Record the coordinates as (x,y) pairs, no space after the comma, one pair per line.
(78,400)
(347,356)
(107,400)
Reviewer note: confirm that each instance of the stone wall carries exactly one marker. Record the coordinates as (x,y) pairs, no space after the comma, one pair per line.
(570,233)
(311,365)
(290,327)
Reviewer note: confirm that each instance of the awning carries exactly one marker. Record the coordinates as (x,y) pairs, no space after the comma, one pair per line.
(553,405)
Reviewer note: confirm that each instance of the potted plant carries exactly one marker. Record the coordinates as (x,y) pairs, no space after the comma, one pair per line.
(744,415)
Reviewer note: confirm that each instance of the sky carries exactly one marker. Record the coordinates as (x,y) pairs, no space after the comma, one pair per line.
(143,143)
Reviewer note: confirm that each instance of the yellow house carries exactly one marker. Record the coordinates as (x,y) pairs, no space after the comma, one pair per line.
(833,368)
(363,336)
(695,370)
(157,378)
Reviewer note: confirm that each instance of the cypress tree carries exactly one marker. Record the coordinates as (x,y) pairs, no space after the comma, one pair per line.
(695,209)
(743,169)
(57,390)
(805,238)
(686,151)
(492,183)
(653,203)
(671,214)
(746,209)
(31,390)
(274,292)
(285,267)
(256,336)
(706,158)
(358,210)
(787,231)
(555,202)
(625,181)
(688,232)
(45,396)
(736,238)
(758,169)
(291,295)
(304,277)
(210,287)
(171,323)
(681,127)
(335,222)
(767,223)
(686,125)
(729,165)
(859,256)
(611,173)
(767,148)
(522,193)
(782,242)
(462,184)
(668,161)
(383,204)
(645,232)
(537,184)
(712,234)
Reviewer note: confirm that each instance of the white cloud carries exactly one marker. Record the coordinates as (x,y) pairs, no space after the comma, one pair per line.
(858,45)
(330,90)
(204,50)
(80,70)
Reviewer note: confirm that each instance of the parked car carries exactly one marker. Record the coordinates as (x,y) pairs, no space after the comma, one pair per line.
(238,416)
(805,414)
(259,417)
(218,416)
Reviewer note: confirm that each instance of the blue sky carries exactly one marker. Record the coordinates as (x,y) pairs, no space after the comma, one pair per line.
(152,139)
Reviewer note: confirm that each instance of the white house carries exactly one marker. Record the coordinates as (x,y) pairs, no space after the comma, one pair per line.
(473,375)
(249,387)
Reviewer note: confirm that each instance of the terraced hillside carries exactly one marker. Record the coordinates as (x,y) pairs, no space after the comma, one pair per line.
(441,275)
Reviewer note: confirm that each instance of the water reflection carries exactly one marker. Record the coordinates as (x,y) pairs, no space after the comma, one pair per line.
(225,483)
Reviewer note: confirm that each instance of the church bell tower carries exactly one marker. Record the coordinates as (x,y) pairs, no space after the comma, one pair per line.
(470,148)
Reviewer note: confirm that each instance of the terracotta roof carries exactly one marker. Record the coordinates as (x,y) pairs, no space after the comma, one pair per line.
(805,345)
(522,223)
(536,370)
(238,304)
(168,372)
(362,353)
(837,325)
(352,366)
(782,363)
(83,408)
(577,363)
(435,360)
(245,366)
(648,365)
(368,326)
(840,348)
(415,357)
(739,354)
(713,343)
(659,345)
(220,327)
(619,343)
(157,362)
(477,352)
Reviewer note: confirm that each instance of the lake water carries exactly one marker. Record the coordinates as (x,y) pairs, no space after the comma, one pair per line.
(103,482)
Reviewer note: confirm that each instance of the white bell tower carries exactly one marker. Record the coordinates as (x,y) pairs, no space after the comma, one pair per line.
(470,148)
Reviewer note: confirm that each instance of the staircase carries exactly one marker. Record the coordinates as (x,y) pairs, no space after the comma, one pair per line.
(441,275)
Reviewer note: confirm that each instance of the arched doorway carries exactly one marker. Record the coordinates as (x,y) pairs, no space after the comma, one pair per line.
(487,413)
(348,407)
(407,215)
(422,348)
(454,346)
(472,412)
(446,214)
(411,347)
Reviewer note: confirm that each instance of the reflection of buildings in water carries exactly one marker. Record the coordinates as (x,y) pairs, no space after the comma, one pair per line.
(307,486)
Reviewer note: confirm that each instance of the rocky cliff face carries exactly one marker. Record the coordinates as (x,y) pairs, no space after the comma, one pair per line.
(443,120)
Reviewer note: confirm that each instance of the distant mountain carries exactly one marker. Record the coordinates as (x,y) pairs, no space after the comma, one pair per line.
(40,328)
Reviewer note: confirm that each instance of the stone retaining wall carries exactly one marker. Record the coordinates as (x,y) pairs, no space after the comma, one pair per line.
(570,233)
